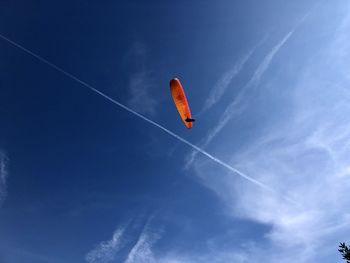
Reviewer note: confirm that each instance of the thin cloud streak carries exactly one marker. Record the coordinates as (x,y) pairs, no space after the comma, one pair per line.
(213,158)
(263,67)
(142,250)
(221,86)
(140,82)
(139,249)
(107,251)
(141,100)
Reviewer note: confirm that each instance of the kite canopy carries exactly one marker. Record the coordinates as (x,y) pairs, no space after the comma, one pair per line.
(181,103)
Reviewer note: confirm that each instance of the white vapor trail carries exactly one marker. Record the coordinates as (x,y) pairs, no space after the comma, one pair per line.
(213,158)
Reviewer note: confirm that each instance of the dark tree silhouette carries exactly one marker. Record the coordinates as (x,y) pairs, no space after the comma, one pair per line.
(345,251)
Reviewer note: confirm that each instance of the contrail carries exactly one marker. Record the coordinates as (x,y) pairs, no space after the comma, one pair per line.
(213,158)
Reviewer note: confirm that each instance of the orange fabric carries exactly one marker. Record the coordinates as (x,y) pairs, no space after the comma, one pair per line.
(179,97)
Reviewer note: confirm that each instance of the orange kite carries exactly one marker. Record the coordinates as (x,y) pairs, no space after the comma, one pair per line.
(179,97)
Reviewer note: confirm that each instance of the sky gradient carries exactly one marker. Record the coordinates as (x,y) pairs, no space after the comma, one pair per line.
(96,165)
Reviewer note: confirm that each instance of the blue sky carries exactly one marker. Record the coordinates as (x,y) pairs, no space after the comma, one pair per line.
(83,180)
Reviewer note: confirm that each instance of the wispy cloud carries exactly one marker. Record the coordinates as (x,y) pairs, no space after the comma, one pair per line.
(140,81)
(107,251)
(3,176)
(263,67)
(141,100)
(223,83)
(142,250)
(139,248)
